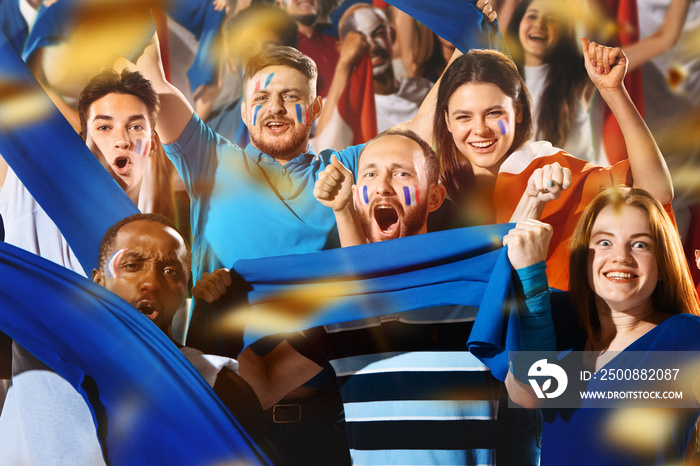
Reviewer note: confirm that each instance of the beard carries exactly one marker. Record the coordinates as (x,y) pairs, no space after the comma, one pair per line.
(412,222)
(306,20)
(284,147)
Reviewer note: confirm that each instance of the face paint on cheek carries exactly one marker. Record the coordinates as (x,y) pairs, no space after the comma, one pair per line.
(410,195)
(503,126)
(362,195)
(113,263)
(302,114)
(141,145)
(256,109)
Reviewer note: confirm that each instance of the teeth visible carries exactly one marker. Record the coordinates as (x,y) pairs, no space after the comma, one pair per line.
(482,145)
(618,275)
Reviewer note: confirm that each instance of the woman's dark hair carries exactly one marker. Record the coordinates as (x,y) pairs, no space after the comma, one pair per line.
(476,67)
(566,77)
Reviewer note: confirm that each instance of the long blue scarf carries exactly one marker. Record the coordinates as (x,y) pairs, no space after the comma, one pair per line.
(150,405)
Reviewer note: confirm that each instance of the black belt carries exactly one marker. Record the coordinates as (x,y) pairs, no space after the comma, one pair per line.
(323,404)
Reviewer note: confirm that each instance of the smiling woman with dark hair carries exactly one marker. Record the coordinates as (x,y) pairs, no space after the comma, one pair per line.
(494,173)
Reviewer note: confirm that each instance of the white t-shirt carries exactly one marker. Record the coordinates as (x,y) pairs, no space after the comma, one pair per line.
(579,143)
(403,105)
(209,365)
(44,419)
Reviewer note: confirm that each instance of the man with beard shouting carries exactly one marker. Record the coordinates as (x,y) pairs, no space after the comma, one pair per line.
(413,393)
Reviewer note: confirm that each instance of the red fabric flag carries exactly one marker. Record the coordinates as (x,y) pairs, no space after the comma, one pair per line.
(354,120)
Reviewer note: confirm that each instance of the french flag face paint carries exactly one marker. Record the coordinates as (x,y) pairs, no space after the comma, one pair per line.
(503,126)
(113,263)
(143,147)
(256,109)
(302,114)
(410,195)
(264,82)
(362,195)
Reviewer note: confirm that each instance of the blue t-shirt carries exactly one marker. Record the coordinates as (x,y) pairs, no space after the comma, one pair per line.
(245,205)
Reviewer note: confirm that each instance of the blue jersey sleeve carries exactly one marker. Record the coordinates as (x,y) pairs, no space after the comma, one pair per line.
(196,154)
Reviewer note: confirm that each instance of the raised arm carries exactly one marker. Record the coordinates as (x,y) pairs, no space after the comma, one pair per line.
(607,67)
(175,110)
(528,244)
(334,189)
(545,184)
(414,41)
(663,39)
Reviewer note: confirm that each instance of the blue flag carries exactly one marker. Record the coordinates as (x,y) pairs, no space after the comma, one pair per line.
(458,22)
(465,266)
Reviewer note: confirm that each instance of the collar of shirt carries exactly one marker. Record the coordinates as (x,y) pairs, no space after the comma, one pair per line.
(260,158)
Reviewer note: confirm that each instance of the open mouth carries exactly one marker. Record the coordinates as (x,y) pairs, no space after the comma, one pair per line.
(276,126)
(148,308)
(387,219)
(121,161)
(537,37)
